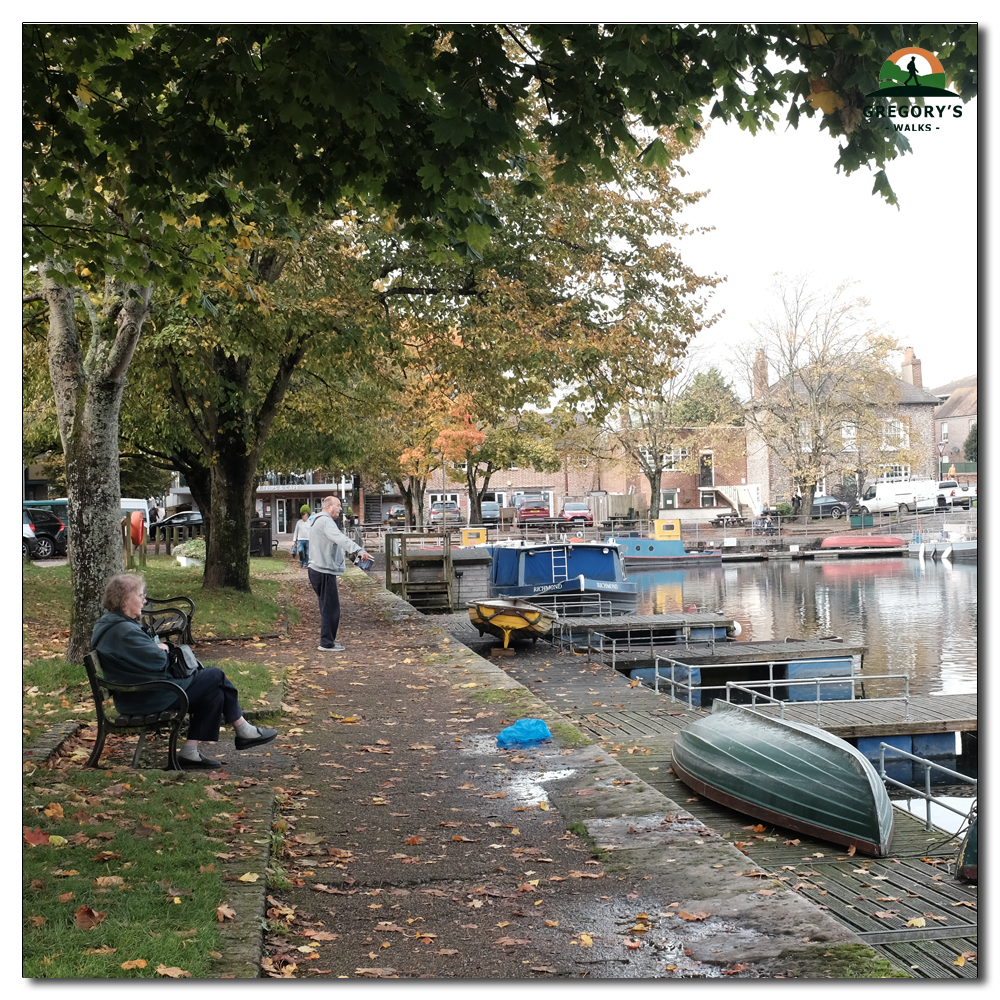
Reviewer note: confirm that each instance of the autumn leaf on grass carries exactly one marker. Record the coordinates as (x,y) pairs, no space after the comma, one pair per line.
(103,950)
(173,972)
(135,963)
(225,912)
(66,897)
(37,921)
(109,880)
(106,856)
(86,918)
(54,810)
(35,837)
(697,915)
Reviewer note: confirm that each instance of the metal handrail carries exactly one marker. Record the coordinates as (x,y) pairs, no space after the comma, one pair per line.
(748,688)
(926,794)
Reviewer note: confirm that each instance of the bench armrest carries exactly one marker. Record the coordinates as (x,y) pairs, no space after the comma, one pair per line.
(147,686)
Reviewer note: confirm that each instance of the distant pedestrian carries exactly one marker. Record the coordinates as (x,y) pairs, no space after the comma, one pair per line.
(796,502)
(154,514)
(300,538)
(328,549)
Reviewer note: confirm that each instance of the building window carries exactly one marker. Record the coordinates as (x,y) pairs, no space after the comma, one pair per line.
(707,498)
(849,435)
(944,432)
(893,473)
(673,458)
(895,434)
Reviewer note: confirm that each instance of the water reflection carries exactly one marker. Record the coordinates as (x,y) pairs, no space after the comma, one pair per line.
(916,617)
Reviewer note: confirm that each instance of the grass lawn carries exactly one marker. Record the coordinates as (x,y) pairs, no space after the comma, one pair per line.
(54,690)
(123,872)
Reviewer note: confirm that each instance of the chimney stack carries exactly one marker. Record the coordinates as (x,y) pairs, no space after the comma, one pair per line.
(759,374)
(912,368)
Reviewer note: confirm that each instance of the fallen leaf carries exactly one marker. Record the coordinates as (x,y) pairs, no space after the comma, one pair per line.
(249,877)
(544,968)
(308,838)
(885,914)
(54,811)
(498,795)
(173,972)
(697,915)
(35,837)
(136,963)
(734,969)
(382,973)
(103,950)
(447,951)
(916,922)
(225,912)
(386,927)
(586,940)
(109,880)
(509,941)
(416,840)
(66,897)
(86,918)
(106,856)
(321,935)
(37,921)
(851,851)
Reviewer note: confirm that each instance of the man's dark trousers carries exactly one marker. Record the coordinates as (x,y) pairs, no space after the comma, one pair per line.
(211,694)
(325,585)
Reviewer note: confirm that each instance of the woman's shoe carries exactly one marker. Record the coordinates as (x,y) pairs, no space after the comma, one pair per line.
(203,763)
(266,735)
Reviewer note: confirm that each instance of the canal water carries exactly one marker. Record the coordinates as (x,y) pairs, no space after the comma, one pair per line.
(916,618)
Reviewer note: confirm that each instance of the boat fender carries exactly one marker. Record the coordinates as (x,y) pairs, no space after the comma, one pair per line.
(736,629)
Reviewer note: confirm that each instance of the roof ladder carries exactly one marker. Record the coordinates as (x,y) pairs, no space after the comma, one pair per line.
(560,565)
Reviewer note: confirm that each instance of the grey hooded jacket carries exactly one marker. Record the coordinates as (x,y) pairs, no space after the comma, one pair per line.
(329,546)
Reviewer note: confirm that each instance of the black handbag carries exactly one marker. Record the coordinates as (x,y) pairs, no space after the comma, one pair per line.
(181,661)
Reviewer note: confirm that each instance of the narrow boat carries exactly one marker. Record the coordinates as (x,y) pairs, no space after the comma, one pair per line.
(967,865)
(510,618)
(663,549)
(564,577)
(862,542)
(787,773)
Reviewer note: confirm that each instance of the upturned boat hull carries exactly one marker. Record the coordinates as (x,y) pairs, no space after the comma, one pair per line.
(967,866)
(510,619)
(786,773)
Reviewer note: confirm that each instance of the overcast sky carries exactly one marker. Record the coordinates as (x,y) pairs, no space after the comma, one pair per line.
(778,205)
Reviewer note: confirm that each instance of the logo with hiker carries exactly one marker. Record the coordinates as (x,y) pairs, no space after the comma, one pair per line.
(912,72)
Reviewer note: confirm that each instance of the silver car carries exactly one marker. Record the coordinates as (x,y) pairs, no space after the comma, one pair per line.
(445,512)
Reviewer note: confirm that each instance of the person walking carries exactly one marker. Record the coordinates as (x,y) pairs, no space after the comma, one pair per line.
(300,537)
(328,548)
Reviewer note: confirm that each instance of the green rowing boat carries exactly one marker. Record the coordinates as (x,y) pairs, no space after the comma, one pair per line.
(786,773)
(967,867)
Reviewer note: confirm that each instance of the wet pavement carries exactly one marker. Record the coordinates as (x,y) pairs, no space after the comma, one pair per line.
(415,848)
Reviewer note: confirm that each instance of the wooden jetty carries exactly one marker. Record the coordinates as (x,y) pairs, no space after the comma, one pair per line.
(638,726)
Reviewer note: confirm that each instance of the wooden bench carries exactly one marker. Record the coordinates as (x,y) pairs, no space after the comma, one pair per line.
(169,617)
(172,717)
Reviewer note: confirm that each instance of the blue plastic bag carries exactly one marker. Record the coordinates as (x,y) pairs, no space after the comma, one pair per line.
(523,733)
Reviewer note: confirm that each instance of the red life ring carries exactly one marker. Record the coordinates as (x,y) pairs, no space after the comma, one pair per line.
(138,527)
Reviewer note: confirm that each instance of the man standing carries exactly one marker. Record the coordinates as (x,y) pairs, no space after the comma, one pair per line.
(328,547)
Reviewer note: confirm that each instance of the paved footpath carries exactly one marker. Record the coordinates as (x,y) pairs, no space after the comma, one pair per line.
(414,848)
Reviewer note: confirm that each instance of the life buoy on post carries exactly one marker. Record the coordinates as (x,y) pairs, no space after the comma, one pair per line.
(138,527)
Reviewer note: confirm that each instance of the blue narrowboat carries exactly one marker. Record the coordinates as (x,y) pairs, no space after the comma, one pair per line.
(570,578)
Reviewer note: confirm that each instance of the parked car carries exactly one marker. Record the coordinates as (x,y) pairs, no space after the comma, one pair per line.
(825,506)
(28,542)
(532,508)
(954,494)
(397,514)
(578,513)
(49,530)
(185,518)
(490,510)
(445,512)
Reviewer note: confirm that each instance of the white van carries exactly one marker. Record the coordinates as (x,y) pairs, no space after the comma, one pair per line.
(925,494)
(129,504)
(884,498)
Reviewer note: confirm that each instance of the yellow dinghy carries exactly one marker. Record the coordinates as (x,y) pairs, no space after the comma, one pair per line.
(510,617)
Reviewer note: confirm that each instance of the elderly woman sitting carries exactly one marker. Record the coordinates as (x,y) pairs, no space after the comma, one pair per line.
(130,656)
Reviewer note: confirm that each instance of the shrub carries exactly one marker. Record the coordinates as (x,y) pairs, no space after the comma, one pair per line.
(194,548)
